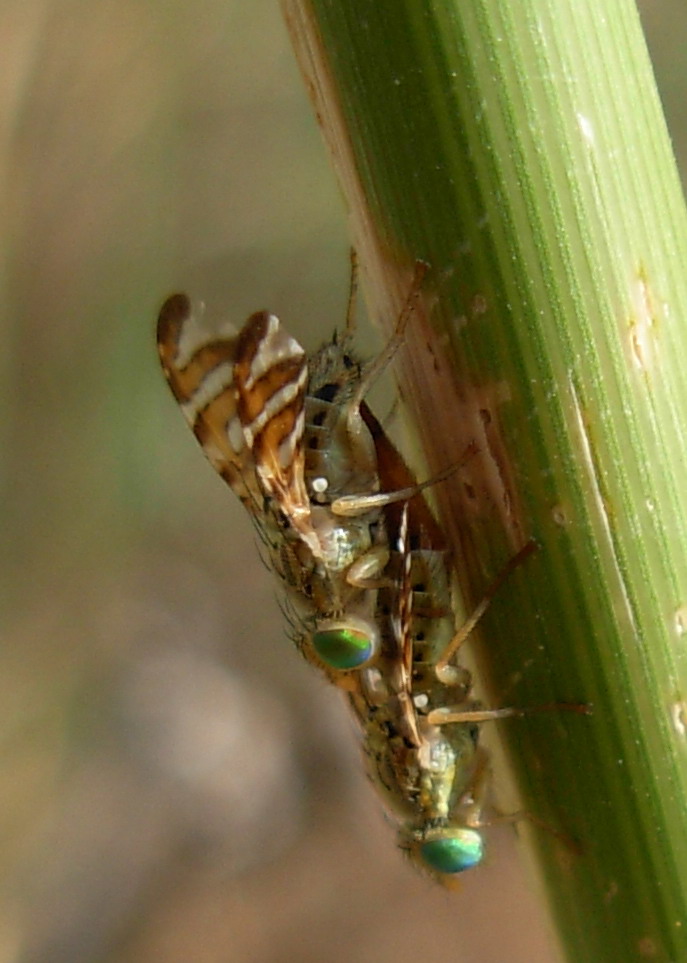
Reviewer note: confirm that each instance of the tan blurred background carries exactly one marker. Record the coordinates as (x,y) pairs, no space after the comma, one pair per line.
(176,785)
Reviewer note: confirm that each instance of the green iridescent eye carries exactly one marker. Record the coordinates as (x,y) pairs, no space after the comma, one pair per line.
(453,854)
(344,645)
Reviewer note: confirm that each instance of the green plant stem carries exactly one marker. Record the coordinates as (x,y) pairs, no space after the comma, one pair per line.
(519,147)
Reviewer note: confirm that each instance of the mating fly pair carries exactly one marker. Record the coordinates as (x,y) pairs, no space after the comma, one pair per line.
(360,555)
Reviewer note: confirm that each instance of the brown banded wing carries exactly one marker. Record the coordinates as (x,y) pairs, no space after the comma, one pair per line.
(270,378)
(242,394)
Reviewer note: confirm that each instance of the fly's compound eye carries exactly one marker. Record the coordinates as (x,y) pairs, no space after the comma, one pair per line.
(346,644)
(454,851)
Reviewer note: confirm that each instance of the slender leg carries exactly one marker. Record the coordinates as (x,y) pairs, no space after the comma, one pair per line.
(367,571)
(352,505)
(447,714)
(477,794)
(351,320)
(523,815)
(442,668)
(377,366)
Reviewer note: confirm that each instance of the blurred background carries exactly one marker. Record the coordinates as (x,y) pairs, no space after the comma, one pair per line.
(176,784)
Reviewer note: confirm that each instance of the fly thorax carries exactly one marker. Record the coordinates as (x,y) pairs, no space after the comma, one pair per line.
(339,451)
(437,762)
(341,541)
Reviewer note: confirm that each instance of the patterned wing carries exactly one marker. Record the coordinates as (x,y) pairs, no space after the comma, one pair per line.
(270,377)
(243,396)
(199,366)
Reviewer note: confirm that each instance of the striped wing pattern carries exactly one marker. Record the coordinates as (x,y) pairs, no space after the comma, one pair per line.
(243,396)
